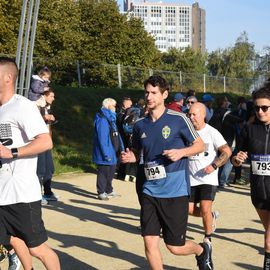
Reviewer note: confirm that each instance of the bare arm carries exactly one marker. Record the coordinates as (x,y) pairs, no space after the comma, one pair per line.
(176,154)
(225,153)
(41,143)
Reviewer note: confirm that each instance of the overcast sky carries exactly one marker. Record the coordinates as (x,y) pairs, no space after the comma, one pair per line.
(227,19)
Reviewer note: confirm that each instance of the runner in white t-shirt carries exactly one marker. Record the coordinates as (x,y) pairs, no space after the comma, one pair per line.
(23,135)
(203,169)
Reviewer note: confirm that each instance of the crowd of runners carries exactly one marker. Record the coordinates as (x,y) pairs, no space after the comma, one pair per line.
(178,153)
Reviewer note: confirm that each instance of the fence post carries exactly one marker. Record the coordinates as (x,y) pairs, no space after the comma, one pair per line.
(79,74)
(224,84)
(180,77)
(22,88)
(20,38)
(119,76)
(204,83)
(31,48)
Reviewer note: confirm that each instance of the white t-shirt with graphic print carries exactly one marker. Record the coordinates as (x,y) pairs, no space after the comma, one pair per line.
(212,140)
(20,122)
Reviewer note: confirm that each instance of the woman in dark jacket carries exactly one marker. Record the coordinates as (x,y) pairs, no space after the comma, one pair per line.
(254,145)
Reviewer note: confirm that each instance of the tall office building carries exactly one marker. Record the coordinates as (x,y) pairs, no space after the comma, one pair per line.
(172,25)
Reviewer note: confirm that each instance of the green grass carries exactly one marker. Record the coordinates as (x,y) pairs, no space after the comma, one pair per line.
(75,108)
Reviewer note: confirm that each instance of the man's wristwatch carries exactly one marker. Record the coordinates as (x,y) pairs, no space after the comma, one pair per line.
(14,152)
(214,165)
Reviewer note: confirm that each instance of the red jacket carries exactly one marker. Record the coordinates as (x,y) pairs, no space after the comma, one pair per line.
(174,106)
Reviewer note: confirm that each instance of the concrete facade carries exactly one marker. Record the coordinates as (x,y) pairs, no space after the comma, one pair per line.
(172,25)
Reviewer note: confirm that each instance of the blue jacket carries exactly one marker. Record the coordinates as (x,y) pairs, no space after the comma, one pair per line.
(103,150)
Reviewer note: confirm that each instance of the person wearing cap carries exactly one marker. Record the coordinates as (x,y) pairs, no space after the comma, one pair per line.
(208,100)
(177,104)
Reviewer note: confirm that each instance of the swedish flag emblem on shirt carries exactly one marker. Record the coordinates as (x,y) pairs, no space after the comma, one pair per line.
(166,131)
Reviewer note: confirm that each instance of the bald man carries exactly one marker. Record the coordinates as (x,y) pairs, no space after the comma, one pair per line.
(23,135)
(203,169)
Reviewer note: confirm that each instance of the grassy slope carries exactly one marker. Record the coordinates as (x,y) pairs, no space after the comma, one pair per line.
(75,108)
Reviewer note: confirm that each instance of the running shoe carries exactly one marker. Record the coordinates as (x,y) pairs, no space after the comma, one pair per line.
(113,194)
(44,201)
(14,262)
(204,261)
(103,196)
(3,253)
(215,215)
(51,197)
(132,179)
(207,240)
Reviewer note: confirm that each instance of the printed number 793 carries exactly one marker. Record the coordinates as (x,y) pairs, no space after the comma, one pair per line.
(263,165)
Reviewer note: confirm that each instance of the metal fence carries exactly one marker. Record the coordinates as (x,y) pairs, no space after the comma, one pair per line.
(87,74)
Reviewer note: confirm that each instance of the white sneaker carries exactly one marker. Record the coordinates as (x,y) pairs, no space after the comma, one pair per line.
(103,196)
(215,215)
(113,194)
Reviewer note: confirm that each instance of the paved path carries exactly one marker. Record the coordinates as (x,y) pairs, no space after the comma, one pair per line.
(91,234)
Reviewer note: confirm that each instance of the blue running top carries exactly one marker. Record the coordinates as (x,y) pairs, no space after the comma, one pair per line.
(172,130)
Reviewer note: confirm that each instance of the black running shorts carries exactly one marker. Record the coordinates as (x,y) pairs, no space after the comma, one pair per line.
(260,203)
(22,220)
(168,214)
(202,192)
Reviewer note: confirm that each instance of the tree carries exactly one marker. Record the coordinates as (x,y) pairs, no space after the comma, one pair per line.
(9,27)
(186,60)
(241,58)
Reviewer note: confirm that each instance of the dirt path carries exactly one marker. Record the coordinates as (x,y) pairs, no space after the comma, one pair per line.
(91,234)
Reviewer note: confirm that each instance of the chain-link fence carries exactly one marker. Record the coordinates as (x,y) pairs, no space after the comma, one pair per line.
(87,74)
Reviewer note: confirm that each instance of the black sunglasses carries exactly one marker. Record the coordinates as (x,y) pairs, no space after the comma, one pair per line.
(264,108)
(191,102)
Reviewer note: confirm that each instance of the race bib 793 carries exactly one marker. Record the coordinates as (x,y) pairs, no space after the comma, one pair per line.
(260,164)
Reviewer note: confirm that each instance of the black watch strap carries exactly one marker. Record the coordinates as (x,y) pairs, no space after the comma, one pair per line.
(14,152)
(214,165)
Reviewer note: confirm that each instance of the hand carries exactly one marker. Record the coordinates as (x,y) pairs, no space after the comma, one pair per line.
(241,157)
(208,169)
(49,117)
(5,152)
(174,154)
(127,156)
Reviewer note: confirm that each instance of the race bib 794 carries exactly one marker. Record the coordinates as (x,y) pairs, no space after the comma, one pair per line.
(154,171)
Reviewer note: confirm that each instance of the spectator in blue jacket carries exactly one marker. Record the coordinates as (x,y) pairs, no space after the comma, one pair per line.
(106,147)
(39,84)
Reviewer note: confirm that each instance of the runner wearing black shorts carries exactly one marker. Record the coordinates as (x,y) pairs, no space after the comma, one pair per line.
(254,145)
(23,135)
(165,139)
(203,170)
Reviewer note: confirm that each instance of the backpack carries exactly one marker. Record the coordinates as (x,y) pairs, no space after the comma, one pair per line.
(131,116)
(114,134)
